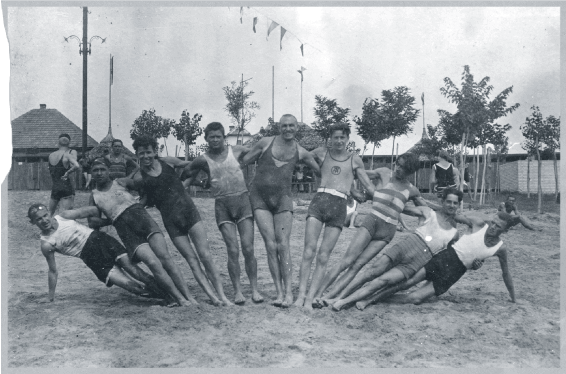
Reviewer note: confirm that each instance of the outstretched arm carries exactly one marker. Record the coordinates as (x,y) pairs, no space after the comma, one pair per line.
(82,212)
(527,224)
(309,160)
(363,175)
(72,158)
(130,161)
(175,162)
(194,168)
(48,252)
(502,255)
(256,151)
(95,221)
(456,174)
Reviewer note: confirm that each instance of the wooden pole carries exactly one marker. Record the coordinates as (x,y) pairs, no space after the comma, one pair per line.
(85,48)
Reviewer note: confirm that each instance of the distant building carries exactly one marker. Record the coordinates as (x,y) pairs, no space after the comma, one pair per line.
(232,137)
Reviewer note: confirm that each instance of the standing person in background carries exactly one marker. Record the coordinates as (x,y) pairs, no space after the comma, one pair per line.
(271,199)
(232,206)
(62,163)
(120,162)
(444,174)
(85,165)
(468,180)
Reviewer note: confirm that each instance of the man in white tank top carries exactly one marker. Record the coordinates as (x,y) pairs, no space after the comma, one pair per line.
(402,260)
(232,206)
(447,267)
(328,207)
(104,255)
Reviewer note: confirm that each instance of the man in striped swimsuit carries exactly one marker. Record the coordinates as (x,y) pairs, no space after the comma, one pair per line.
(120,162)
(328,207)
(232,206)
(378,228)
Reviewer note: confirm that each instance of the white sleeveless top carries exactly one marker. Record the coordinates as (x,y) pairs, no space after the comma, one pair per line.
(69,238)
(337,175)
(114,201)
(472,246)
(435,237)
(226,177)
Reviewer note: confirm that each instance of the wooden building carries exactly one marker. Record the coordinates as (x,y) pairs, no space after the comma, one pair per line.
(35,135)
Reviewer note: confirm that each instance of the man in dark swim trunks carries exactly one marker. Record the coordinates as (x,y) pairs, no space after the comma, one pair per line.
(62,163)
(270,196)
(232,206)
(161,184)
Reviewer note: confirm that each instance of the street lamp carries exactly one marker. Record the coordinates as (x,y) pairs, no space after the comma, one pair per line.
(89,43)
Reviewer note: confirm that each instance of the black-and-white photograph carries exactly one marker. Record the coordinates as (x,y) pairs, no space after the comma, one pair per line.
(283,186)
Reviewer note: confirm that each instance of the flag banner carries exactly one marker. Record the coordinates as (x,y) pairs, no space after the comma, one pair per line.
(422,98)
(302,54)
(111,70)
(241,13)
(283,31)
(272,27)
(255,23)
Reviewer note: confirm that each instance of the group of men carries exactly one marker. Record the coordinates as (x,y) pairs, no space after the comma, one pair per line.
(432,252)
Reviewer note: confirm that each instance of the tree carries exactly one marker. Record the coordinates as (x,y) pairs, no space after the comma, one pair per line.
(239,107)
(187,130)
(476,111)
(534,132)
(148,123)
(501,144)
(551,138)
(327,113)
(369,124)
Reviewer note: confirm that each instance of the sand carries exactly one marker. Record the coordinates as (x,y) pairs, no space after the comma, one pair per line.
(473,325)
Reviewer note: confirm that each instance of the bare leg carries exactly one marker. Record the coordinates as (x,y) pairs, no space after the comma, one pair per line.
(283,223)
(138,274)
(66,203)
(331,235)
(52,206)
(230,236)
(417,297)
(120,279)
(383,294)
(390,278)
(361,239)
(312,232)
(159,248)
(145,254)
(265,224)
(371,250)
(185,248)
(246,230)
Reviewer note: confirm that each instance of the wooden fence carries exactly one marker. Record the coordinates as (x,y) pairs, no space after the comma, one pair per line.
(35,176)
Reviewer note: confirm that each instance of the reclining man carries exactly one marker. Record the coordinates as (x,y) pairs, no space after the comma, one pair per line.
(402,260)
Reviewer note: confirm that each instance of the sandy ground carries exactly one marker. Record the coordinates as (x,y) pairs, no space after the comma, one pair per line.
(473,325)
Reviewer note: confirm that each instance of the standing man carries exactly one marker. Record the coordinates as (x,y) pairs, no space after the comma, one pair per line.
(232,206)
(85,166)
(62,163)
(120,162)
(379,227)
(444,174)
(468,180)
(270,196)
(338,167)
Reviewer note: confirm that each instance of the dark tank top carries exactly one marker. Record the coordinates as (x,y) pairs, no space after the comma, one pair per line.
(274,175)
(57,171)
(166,190)
(444,177)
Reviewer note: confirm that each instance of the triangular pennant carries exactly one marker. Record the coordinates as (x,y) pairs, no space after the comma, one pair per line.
(422,98)
(283,31)
(255,22)
(272,27)
(111,70)
(241,13)
(302,54)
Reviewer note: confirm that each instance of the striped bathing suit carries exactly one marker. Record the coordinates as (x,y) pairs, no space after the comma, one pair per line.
(388,203)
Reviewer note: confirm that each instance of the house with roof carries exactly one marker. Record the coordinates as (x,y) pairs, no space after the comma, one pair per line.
(35,135)
(232,137)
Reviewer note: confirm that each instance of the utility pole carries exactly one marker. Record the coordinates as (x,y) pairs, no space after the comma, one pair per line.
(241,127)
(85,49)
(273,93)
(110,94)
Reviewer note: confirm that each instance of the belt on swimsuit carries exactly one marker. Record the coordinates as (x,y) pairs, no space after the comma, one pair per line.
(384,217)
(332,192)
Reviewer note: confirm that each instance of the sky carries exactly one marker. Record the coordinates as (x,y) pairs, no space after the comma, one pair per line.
(173,59)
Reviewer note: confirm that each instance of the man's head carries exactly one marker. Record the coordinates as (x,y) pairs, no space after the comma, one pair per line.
(443,155)
(100,170)
(214,135)
(339,135)
(500,223)
(39,216)
(451,199)
(288,126)
(64,140)
(146,149)
(117,146)
(407,164)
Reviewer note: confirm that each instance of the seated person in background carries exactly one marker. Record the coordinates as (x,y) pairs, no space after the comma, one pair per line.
(509,206)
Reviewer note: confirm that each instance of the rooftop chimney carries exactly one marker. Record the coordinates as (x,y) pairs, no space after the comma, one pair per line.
(231,128)
(42,106)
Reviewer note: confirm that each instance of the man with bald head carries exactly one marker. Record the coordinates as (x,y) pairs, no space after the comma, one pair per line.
(62,162)
(271,199)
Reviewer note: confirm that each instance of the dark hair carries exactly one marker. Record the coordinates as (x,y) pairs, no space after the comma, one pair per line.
(452,191)
(64,135)
(213,126)
(340,127)
(34,208)
(511,196)
(412,163)
(100,161)
(145,141)
(445,155)
(116,141)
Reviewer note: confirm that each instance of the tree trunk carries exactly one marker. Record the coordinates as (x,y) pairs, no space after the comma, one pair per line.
(166,149)
(185,137)
(555,174)
(528,177)
(482,191)
(372,154)
(477,174)
(497,183)
(392,154)
(539,186)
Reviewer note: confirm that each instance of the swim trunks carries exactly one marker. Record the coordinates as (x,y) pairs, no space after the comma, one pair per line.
(100,253)
(328,209)
(232,209)
(409,255)
(444,270)
(62,188)
(135,227)
(378,228)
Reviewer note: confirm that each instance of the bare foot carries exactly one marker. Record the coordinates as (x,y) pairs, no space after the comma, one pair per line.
(278,301)
(337,306)
(361,305)
(287,302)
(328,302)
(216,302)
(239,299)
(308,307)
(300,301)
(317,303)
(256,297)
(227,302)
